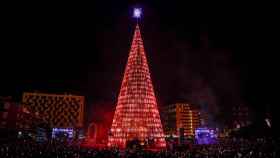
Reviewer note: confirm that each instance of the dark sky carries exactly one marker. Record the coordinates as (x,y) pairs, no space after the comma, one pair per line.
(220,55)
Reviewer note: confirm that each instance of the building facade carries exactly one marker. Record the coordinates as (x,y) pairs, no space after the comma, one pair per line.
(59,111)
(8,112)
(180,118)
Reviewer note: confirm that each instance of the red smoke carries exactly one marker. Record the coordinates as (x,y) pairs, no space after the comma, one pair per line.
(102,116)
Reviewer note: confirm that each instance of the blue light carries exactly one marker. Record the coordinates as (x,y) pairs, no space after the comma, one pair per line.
(69,131)
(205,136)
(137,12)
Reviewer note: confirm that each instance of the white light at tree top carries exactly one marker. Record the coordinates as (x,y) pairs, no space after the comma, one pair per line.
(137,12)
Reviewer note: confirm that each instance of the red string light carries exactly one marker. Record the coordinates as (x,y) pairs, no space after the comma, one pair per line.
(136,114)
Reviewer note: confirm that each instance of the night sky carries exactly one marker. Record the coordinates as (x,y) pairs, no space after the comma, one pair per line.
(220,56)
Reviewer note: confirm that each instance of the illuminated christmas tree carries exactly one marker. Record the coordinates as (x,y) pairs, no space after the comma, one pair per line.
(136,115)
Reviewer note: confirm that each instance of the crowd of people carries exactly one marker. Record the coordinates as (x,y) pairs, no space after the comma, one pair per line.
(230,148)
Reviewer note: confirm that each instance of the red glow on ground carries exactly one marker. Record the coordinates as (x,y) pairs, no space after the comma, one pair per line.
(102,117)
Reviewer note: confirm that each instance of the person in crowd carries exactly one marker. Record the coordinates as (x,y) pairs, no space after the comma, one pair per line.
(228,148)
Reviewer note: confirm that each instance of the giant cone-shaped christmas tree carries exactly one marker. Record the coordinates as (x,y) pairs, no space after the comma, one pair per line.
(136,115)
